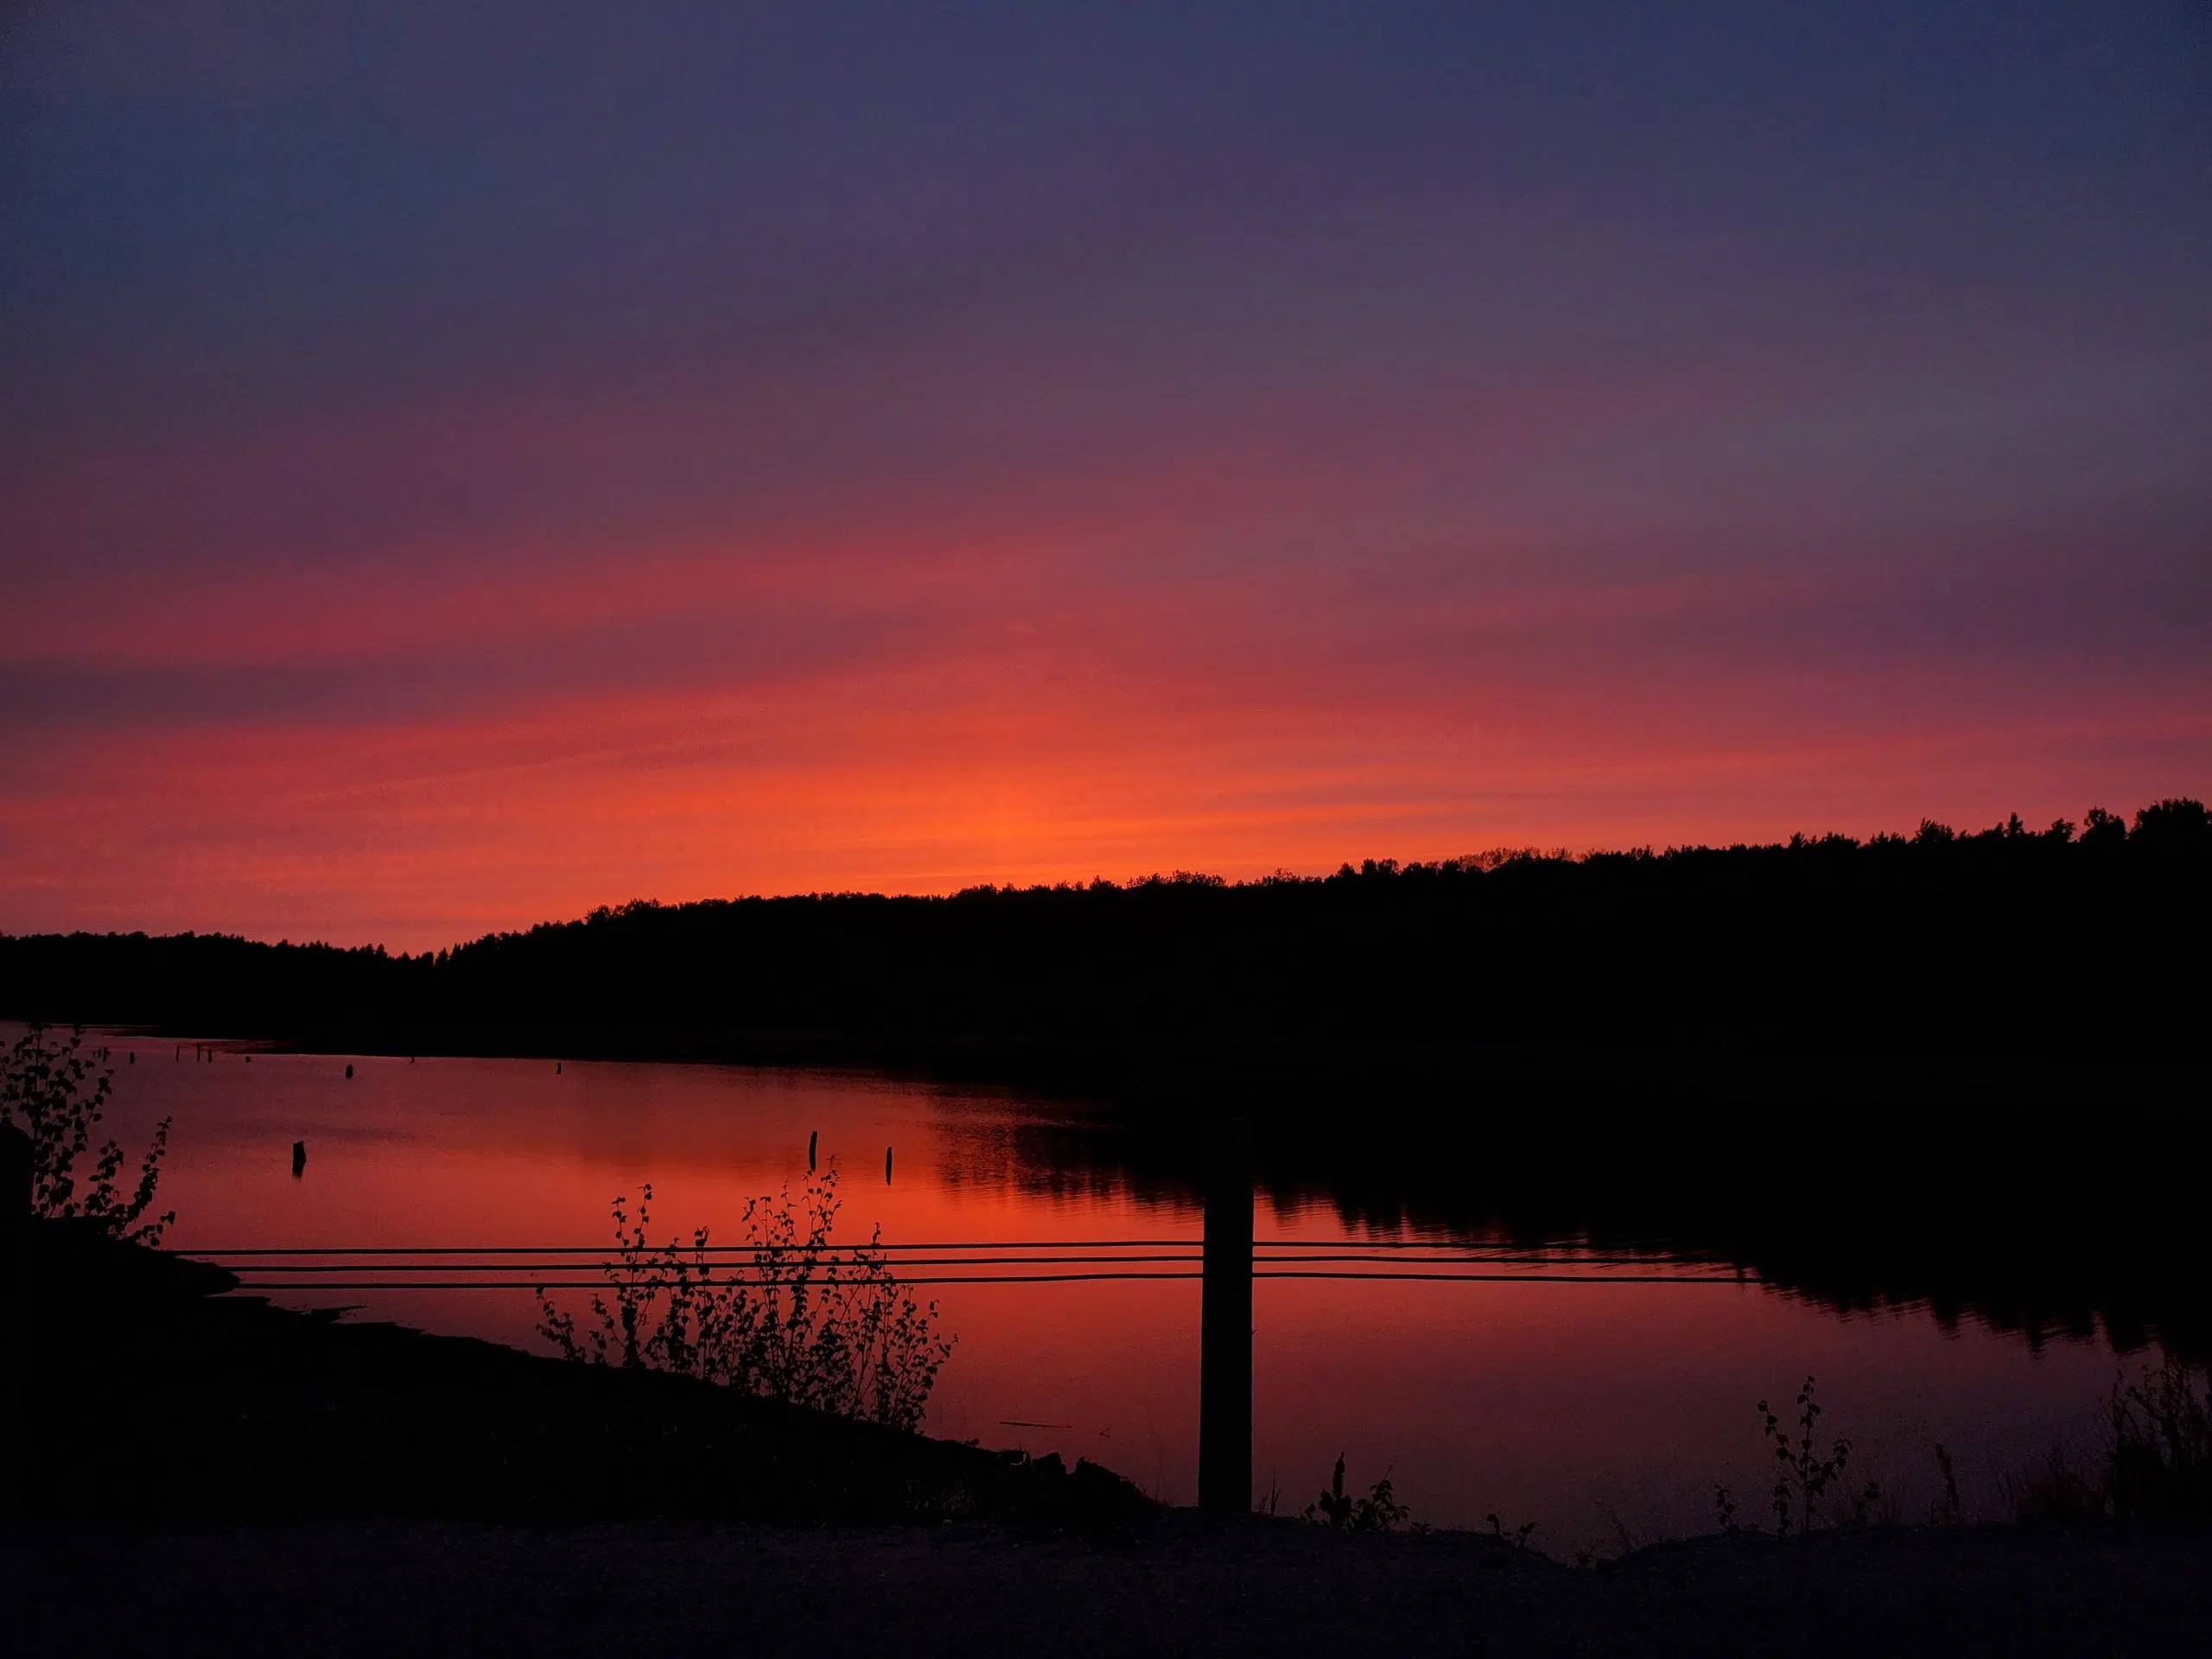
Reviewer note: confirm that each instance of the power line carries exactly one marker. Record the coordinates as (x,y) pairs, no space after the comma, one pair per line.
(1306,1248)
(1163,1277)
(519,1266)
(612,1269)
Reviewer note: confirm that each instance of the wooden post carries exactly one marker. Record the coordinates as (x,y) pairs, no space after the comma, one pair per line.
(15,1177)
(1225,1323)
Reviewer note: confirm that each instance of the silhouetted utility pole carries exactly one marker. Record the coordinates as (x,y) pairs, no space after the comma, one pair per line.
(1225,1322)
(16,1176)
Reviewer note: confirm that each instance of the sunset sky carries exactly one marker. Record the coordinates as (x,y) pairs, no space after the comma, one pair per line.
(462,465)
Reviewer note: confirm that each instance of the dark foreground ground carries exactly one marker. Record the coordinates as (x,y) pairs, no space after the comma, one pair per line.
(204,1473)
(1172,1585)
(164,1395)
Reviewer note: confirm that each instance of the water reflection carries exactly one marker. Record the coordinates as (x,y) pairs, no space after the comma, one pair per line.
(1540,1402)
(2036,1235)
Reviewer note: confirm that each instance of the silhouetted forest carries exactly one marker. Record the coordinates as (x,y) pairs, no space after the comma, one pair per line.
(2083,946)
(1961,1070)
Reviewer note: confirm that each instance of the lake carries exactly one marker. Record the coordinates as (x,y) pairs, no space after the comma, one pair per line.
(1600,1410)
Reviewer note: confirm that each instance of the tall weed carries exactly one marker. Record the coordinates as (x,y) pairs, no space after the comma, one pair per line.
(1808,1474)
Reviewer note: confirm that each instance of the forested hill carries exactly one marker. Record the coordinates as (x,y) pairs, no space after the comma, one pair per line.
(2081,945)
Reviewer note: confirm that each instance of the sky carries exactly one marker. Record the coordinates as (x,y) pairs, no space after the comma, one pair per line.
(463,464)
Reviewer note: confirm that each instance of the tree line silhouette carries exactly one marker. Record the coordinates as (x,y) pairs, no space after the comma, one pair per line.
(2079,944)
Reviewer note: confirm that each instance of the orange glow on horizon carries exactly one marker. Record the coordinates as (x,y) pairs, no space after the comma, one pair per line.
(1108,673)
(417,835)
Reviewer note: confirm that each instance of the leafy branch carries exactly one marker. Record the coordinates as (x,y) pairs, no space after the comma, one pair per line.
(55,1093)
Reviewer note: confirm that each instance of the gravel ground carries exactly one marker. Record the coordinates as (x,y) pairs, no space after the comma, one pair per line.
(1179,1585)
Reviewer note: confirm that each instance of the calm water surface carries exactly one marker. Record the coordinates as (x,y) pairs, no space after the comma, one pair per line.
(1593,1409)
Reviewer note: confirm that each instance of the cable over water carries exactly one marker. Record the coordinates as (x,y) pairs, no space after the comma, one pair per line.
(553,1267)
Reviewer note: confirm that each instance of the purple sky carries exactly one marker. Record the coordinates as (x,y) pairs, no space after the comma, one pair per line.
(465,463)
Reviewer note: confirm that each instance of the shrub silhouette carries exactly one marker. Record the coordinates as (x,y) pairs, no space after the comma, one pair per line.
(2160,1463)
(2157,1459)
(804,1322)
(55,1093)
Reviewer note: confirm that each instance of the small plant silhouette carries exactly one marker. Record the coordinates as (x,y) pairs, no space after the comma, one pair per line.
(1805,1475)
(55,1093)
(1950,1511)
(1379,1511)
(805,1322)
(1517,1538)
(1723,1508)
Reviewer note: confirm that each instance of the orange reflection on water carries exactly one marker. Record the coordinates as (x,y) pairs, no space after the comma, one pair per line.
(1562,1403)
